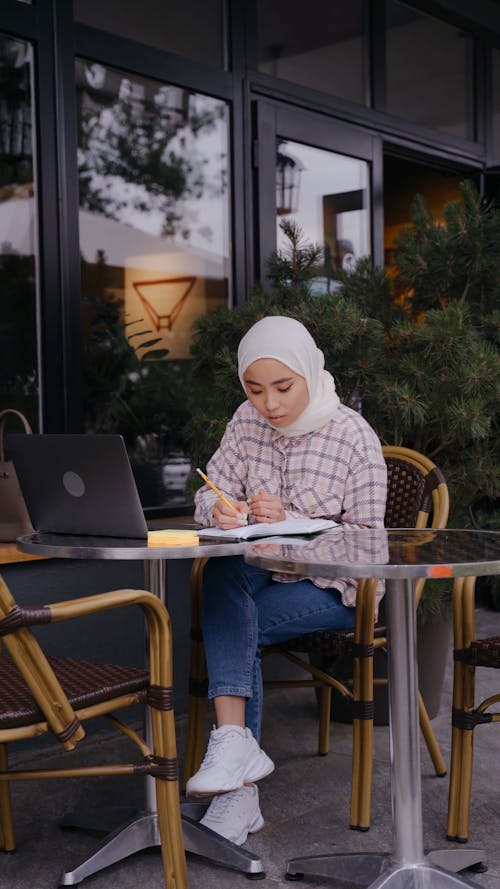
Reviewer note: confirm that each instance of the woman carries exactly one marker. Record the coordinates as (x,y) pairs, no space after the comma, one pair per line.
(290,450)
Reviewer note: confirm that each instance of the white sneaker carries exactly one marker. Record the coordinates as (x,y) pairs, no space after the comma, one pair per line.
(233,757)
(234,815)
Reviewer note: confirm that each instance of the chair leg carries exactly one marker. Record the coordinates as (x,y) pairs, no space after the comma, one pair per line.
(7,839)
(198,680)
(195,736)
(430,739)
(362,769)
(170,827)
(464,677)
(325,709)
(461,754)
(462,834)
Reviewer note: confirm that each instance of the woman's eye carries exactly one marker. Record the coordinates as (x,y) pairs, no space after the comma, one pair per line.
(286,390)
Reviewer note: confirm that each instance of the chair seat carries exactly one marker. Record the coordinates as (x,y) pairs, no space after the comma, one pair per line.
(83,682)
(330,643)
(481,653)
(324,642)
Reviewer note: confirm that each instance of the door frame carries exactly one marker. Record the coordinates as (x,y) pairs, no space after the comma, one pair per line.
(272,119)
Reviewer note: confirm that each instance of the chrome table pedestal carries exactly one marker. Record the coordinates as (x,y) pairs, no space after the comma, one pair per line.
(407,867)
(141,832)
(399,556)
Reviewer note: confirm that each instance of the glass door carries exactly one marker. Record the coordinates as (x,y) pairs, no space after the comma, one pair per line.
(326,177)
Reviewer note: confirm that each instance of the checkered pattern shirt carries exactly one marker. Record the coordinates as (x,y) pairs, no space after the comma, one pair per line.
(337,472)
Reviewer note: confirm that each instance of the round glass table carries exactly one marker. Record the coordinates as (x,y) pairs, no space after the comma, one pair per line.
(399,556)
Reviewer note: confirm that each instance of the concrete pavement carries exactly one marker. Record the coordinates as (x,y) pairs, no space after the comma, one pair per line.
(305,802)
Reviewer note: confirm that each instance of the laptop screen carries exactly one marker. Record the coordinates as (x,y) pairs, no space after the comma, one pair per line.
(78,484)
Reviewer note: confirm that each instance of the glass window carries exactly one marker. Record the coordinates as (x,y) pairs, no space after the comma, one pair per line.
(403,179)
(429,71)
(322,47)
(496,103)
(18,232)
(327,195)
(154,241)
(193,28)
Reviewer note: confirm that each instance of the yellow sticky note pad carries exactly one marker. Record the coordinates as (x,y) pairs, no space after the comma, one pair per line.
(173,537)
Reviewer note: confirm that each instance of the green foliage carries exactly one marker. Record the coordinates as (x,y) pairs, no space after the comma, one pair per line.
(456,259)
(297,265)
(424,369)
(130,386)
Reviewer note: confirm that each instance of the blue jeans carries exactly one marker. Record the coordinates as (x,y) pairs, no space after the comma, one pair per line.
(243,611)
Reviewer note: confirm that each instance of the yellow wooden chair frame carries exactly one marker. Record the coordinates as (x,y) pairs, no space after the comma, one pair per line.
(33,702)
(469,653)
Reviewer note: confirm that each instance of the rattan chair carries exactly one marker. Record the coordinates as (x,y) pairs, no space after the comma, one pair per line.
(40,695)
(417,498)
(468,654)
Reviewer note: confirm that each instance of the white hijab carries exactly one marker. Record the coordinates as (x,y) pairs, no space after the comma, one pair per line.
(288,341)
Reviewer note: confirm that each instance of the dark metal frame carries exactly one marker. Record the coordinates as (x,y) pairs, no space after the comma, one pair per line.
(258,105)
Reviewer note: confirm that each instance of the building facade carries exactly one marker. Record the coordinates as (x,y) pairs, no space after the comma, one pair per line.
(149,153)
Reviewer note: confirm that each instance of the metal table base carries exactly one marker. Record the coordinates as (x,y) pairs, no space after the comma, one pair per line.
(407,867)
(379,871)
(141,832)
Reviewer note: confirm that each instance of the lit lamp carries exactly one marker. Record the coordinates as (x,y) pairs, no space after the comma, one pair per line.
(288,170)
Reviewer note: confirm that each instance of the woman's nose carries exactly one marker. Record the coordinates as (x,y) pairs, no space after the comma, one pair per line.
(271,400)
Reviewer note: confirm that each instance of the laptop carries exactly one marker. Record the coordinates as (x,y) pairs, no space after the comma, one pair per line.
(78,484)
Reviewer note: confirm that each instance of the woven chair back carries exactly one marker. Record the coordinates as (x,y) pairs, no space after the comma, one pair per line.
(35,669)
(405,493)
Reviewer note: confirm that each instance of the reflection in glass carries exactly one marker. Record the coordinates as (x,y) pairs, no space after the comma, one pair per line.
(327,195)
(193,28)
(495,55)
(154,240)
(403,179)
(322,47)
(18,236)
(429,71)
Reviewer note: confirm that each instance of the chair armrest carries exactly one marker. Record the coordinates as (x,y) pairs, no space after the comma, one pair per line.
(155,612)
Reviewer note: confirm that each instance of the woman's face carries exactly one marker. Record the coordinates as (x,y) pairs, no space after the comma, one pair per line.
(278,393)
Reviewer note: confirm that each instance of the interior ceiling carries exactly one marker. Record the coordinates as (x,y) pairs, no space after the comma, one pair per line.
(284,30)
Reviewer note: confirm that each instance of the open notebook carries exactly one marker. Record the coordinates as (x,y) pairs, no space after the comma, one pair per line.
(271,529)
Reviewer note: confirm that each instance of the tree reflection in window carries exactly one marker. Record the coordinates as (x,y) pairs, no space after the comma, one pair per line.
(141,159)
(18,247)
(154,216)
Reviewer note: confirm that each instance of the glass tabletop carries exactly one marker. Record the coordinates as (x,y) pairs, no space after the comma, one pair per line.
(350,552)
(72,546)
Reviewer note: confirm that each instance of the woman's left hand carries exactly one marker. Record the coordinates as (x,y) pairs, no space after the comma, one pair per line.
(266,508)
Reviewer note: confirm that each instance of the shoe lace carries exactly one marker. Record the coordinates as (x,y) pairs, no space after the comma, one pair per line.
(215,748)
(221,805)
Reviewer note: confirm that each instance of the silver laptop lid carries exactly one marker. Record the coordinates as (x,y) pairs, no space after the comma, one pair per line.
(78,484)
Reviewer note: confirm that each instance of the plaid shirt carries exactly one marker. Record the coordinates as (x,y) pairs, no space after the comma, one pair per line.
(337,472)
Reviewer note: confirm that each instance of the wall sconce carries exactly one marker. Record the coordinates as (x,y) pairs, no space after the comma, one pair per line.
(288,172)
(180,288)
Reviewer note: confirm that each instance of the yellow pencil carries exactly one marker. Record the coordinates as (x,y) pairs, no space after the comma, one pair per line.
(219,493)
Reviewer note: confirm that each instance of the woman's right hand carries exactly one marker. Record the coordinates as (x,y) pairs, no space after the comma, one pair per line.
(226,518)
